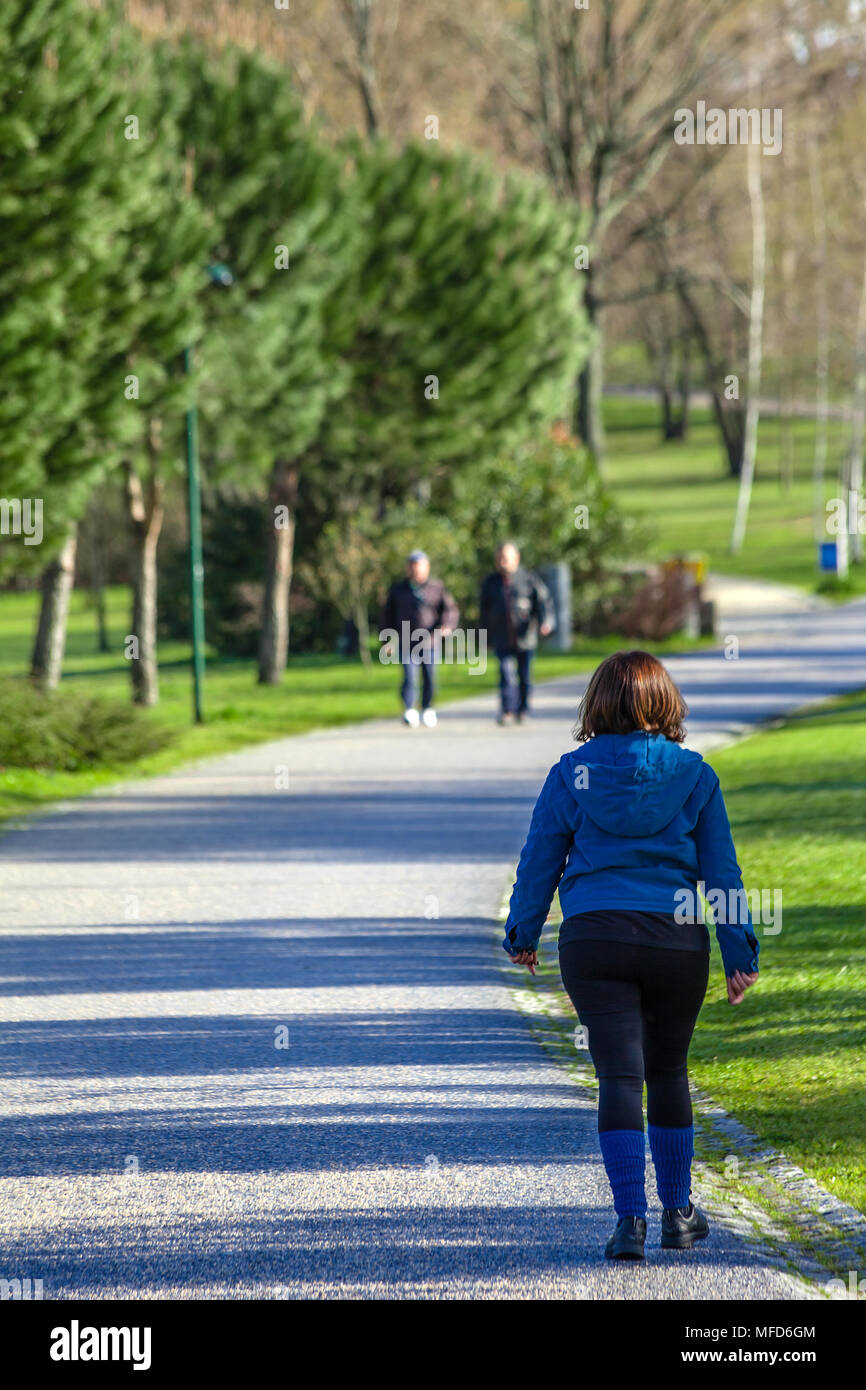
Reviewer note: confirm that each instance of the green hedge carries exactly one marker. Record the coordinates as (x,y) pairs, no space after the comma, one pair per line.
(67,731)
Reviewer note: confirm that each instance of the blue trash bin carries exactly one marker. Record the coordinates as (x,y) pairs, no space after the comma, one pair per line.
(828,557)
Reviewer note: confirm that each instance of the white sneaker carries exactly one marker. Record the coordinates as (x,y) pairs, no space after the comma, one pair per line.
(429,718)
(410,717)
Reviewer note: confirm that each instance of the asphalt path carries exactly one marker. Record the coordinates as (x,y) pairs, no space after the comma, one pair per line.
(257,1036)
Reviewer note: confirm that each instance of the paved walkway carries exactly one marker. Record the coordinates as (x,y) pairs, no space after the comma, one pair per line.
(412,1139)
(759,603)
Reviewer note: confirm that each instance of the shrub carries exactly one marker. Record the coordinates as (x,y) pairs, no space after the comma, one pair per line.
(67,730)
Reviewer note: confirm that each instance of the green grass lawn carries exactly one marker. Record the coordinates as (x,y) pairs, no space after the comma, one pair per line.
(790,1061)
(316,692)
(688,499)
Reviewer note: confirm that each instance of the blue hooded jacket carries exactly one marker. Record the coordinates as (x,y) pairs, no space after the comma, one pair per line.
(632,821)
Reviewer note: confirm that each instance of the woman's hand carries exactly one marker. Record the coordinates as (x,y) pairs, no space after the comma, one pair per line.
(737,984)
(527,958)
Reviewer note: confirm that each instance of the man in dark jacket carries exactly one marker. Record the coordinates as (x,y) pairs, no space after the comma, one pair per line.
(418,609)
(515,607)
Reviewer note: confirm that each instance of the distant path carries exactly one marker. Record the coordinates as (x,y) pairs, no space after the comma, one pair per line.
(759,608)
(762,601)
(414,1139)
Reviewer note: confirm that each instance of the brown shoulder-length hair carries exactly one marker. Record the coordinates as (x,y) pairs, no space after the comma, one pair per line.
(629,691)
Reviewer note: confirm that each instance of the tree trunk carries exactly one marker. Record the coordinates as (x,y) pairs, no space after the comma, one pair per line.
(145,516)
(786,430)
(754,154)
(675,417)
(144,670)
(46,662)
(97,574)
(274,639)
(822,347)
(671,359)
(685,384)
(789,271)
(842,542)
(102,642)
(858,426)
(732,426)
(588,420)
(358,15)
(667,406)
(362,623)
(730,422)
(657,342)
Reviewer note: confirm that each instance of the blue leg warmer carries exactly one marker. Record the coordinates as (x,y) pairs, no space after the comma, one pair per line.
(672,1152)
(624,1154)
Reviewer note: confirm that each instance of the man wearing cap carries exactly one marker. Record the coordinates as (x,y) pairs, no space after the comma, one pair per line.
(515,607)
(419,609)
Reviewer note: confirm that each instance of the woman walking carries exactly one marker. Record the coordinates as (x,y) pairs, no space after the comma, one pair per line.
(629,825)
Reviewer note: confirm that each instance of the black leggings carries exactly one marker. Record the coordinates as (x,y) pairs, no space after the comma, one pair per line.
(639,1005)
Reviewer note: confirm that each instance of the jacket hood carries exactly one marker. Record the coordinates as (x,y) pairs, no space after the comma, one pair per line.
(633,784)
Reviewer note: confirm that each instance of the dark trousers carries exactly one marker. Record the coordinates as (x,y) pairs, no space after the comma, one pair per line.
(639,1005)
(410,682)
(514,686)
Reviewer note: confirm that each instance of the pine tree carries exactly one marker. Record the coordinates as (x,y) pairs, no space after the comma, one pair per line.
(168,243)
(469,323)
(100,267)
(63,196)
(281,228)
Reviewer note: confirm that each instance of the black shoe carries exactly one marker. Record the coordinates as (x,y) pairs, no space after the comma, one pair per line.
(627,1241)
(682,1226)
(521,716)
